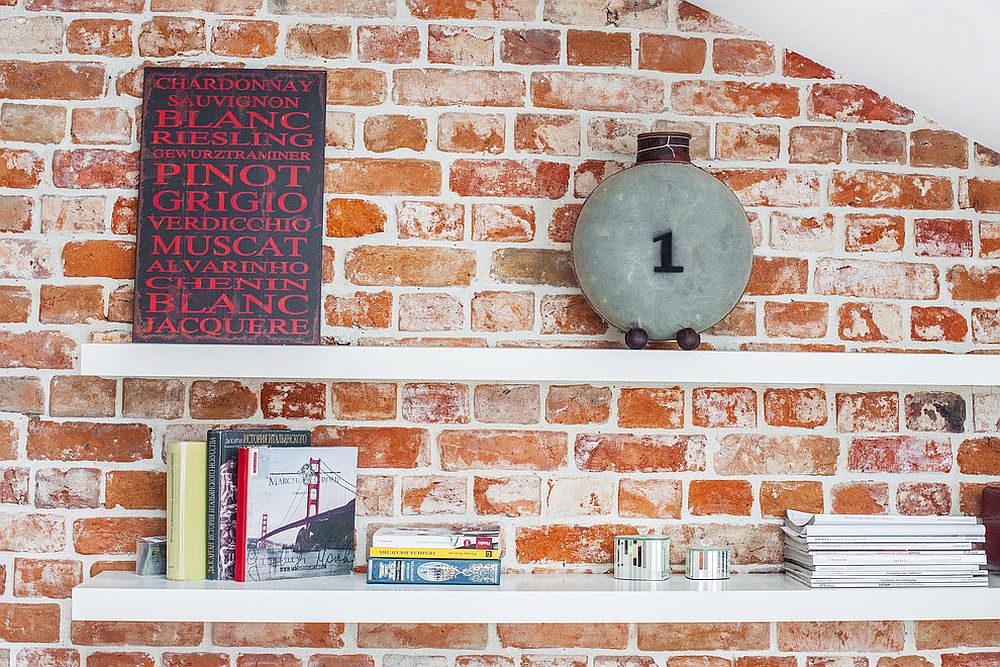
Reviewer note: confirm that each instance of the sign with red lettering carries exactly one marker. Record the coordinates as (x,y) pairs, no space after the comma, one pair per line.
(230,230)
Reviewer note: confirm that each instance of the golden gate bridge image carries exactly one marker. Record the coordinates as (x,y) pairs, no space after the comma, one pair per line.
(314,532)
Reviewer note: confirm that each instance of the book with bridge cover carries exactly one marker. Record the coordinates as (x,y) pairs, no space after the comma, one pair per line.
(295,512)
(223,445)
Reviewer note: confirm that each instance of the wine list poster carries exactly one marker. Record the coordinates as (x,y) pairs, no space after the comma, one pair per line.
(230,229)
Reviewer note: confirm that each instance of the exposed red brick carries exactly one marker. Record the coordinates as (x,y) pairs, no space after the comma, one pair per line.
(776,498)
(798,66)
(418,635)
(639,453)
(671,53)
(724,407)
(20,80)
(937,323)
(734,98)
(112,633)
(899,454)
(430,220)
(378,446)
(531,266)
(555,635)
(814,145)
(796,319)
(509,178)
(853,103)
(222,399)
(884,280)
(703,636)
(325,41)
(870,322)
(461,132)
(115,535)
(43,578)
(530,46)
(873,233)
(347,218)
(942,237)
(417,266)
(974,283)
(383,176)
(923,498)
(742,56)
(502,450)
(136,489)
(293,400)
(507,496)
(597,92)
(82,441)
(938,148)
(872,146)
(568,543)
(720,496)
(752,454)
(841,636)
(445,87)
(872,189)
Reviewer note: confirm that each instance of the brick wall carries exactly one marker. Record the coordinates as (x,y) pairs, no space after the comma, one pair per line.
(462,138)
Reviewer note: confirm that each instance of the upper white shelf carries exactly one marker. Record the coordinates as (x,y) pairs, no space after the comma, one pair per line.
(521,598)
(537,365)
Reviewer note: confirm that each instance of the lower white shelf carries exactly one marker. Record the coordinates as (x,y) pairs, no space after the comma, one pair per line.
(120,596)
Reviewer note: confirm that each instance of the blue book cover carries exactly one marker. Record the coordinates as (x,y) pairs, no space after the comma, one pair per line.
(433,571)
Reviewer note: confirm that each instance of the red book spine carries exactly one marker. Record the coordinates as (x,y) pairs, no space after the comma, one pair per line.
(242,476)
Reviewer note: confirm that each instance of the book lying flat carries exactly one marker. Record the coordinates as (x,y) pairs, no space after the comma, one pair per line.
(443,537)
(901,543)
(874,582)
(432,571)
(800,518)
(849,571)
(976,557)
(459,554)
(968,531)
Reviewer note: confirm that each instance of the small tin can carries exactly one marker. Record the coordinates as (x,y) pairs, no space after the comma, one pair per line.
(642,557)
(708,563)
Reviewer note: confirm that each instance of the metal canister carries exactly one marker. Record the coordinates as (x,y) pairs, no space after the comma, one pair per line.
(708,563)
(642,557)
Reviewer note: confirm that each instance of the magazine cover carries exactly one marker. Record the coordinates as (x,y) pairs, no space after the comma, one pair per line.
(295,512)
(223,445)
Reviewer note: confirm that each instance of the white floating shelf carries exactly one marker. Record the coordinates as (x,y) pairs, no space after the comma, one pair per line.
(537,365)
(121,596)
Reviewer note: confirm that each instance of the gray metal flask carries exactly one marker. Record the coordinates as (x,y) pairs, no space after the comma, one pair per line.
(662,246)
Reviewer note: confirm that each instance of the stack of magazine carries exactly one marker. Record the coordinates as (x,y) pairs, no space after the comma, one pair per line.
(435,555)
(869,551)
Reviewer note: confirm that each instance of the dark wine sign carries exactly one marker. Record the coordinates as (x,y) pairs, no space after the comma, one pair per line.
(230,230)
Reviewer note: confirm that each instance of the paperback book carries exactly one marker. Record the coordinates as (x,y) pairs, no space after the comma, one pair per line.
(223,446)
(295,512)
(433,571)
(444,537)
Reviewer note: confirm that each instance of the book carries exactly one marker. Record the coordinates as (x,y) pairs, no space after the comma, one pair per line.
(437,537)
(223,445)
(977,557)
(454,554)
(186,462)
(848,571)
(433,571)
(295,512)
(969,531)
(892,582)
(800,518)
(898,543)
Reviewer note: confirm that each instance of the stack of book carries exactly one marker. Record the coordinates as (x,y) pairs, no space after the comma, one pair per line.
(866,551)
(259,504)
(435,555)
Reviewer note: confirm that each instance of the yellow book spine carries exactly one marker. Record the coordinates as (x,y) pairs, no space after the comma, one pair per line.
(453,554)
(186,510)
